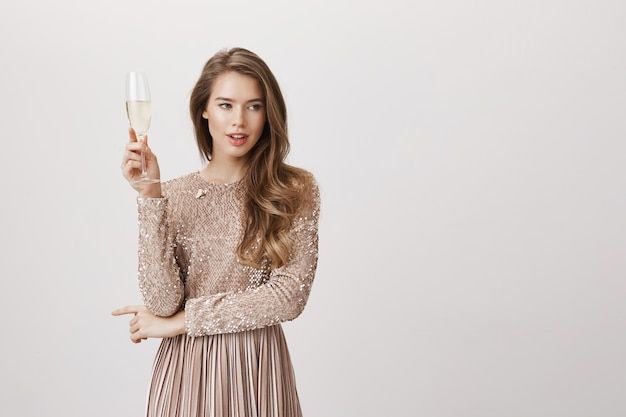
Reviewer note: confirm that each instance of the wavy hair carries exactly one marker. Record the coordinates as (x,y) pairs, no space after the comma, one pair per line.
(274,188)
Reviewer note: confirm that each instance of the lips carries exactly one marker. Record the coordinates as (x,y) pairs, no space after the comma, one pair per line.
(237,139)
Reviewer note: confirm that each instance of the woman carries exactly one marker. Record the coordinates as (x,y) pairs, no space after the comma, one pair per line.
(227,253)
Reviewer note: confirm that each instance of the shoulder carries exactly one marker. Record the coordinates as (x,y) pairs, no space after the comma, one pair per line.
(302,180)
(307,188)
(180,186)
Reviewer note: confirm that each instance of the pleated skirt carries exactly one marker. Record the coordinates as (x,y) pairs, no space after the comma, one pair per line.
(245,374)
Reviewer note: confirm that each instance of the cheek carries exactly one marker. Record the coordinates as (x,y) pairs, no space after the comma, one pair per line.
(215,120)
(214,129)
(260,124)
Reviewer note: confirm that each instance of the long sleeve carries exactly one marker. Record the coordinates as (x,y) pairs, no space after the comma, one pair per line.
(282,297)
(159,277)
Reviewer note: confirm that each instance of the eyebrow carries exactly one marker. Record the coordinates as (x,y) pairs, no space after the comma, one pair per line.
(230,99)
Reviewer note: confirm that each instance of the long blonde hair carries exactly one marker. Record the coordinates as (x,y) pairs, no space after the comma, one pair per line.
(274,188)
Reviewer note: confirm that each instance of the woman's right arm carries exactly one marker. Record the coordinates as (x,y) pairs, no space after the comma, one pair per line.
(159,276)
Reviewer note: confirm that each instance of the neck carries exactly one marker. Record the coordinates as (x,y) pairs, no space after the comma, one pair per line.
(222,173)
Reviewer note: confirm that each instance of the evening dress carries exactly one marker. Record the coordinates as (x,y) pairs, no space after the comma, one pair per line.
(233,360)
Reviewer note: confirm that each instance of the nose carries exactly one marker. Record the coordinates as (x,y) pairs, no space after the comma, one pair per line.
(239,117)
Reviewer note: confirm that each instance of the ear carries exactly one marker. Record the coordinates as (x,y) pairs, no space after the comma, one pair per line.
(205,114)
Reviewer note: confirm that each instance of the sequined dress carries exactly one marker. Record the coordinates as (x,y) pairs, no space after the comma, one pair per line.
(234,360)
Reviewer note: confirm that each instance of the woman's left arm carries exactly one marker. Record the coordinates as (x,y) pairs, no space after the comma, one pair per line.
(282,298)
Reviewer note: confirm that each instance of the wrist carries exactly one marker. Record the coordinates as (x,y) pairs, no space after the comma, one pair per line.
(153,191)
(181,326)
(146,196)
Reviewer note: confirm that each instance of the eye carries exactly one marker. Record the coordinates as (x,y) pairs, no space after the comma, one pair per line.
(255,107)
(225,105)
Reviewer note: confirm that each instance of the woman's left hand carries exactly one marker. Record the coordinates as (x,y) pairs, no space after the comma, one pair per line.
(144,324)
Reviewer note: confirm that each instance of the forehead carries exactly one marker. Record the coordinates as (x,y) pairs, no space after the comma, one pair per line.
(236,86)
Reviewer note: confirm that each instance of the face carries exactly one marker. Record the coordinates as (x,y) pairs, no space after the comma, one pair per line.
(236,116)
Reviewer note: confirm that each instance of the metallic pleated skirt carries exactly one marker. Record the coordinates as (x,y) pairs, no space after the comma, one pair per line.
(245,374)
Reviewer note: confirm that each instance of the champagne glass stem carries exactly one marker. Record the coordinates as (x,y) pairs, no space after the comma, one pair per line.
(144,172)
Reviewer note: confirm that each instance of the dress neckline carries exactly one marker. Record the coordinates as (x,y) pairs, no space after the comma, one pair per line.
(217,184)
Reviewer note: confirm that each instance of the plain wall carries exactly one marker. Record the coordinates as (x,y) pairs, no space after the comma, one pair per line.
(471,157)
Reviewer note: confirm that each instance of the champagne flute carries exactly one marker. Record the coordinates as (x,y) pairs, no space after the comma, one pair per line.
(139,110)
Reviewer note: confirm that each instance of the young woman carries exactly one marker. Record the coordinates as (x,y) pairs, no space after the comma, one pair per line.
(227,253)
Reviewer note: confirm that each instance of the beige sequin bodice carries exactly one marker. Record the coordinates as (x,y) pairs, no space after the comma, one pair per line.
(187,259)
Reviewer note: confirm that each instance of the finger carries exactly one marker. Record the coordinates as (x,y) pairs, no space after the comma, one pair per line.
(136,329)
(137,337)
(130,156)
(126,310)
(129,167)
(131,135)
(134,147)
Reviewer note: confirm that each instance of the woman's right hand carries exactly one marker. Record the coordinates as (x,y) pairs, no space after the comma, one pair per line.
(131,166)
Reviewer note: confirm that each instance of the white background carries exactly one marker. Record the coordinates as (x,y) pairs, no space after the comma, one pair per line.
(471,157)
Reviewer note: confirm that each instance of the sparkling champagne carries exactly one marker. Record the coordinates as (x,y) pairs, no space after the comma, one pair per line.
(139,115)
